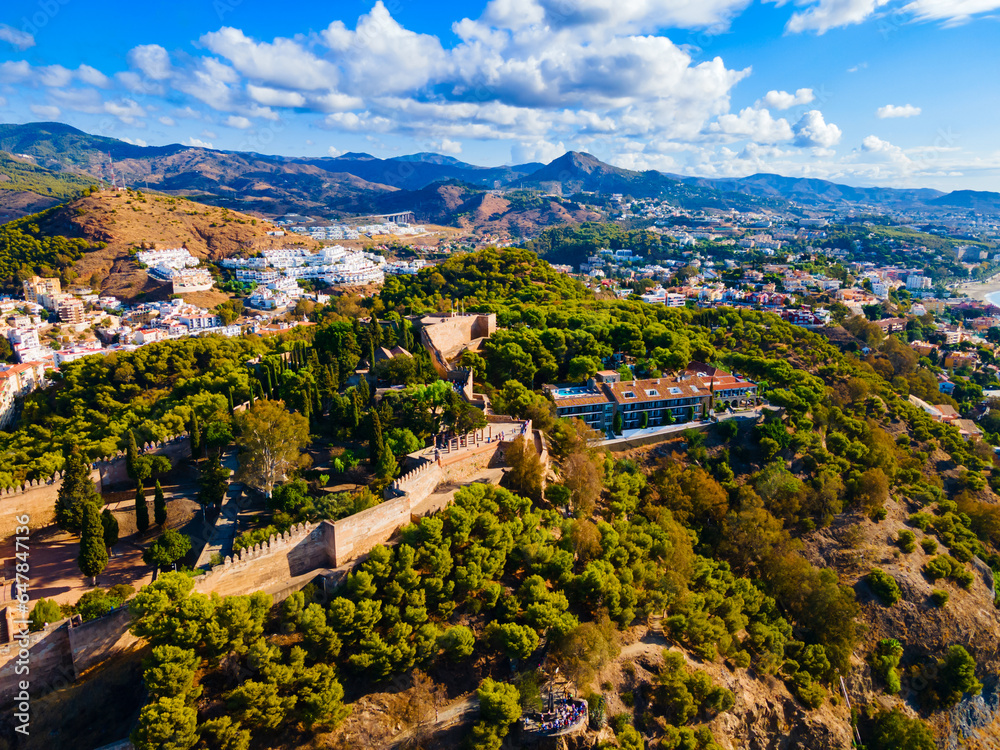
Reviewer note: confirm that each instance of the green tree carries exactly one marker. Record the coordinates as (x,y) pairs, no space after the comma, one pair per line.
(457,642)
(166,724)
(214,482)
(141,510)
(76,492)
(169,672)
(45,612)
(382,460)
(271,441)
(194,436)
(499,704)
(159,506)
(131,455)
(896,731)
(110,524)
(168,549)
(93,556)
(956,676)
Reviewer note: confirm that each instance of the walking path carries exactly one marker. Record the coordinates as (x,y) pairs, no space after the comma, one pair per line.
(224,532)
(643,435)
(453,713)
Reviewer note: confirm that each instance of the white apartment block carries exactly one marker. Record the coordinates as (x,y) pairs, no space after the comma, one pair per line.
(200,321)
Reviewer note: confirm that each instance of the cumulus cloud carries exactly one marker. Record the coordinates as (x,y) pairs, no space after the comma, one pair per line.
(753,124)
(236,121)
(282,62)
(784,100)
(536,151)
(168,121)
(829,14)
(45,111)
(891,110)
(334,151)
(951,12)
(812,131)
(126,110)
(133,141)
(152,59)
(20,39)
(92,76)
(197,143)
(446,146)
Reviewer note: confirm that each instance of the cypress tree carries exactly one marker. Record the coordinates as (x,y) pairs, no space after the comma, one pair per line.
(334,368)
(110,524)
(141,510)
(131,454)
(76,492)
(267,380)
(93,556)
(364,392)
(355,411)
(232,407)
(383,462)
(194,435)
(159,506)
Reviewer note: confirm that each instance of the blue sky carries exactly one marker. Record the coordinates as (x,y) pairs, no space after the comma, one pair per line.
(883,92)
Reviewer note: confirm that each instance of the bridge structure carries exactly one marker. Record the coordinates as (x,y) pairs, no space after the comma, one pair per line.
(403,217)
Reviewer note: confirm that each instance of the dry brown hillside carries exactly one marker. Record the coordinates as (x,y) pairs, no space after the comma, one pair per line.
(128,221)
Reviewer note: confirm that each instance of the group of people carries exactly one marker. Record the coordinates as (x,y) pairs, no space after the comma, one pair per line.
(566,713)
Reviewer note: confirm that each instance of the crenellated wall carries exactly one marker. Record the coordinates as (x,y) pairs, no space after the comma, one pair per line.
(37,497)
(302,548)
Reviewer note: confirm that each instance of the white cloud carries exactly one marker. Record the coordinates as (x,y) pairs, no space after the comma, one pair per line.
(856,68)
(753,124)
(812,131)
(536,151)
(951,12)
(236,121)
(282,63)
(45,111)
(133,141)
(168,121)
(784,100)
(152,59)
(382,56)
(209,134)
(20,39)
(891,110)
(446,146)
(3,102)
(272,97)
(197,143)
(829,14)
(622,16)
(126,110)
(54,76)
(92,76)
(334,151)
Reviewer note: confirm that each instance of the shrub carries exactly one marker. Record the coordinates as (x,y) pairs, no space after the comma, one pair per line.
(907,541)
(885,662)
(44,613)
(946,566)
(940,598)
(884,586)
(929,544)
(956,677)
(895,730)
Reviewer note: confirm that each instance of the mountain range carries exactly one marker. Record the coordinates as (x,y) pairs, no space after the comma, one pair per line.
(439,187)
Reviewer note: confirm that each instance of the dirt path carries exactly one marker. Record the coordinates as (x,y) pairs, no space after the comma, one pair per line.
(454,713)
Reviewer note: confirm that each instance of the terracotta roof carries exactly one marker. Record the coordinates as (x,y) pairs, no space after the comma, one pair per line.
(656,389)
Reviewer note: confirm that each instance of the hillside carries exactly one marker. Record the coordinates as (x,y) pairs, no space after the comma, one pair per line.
(26,187)
(575,172)
(124,221)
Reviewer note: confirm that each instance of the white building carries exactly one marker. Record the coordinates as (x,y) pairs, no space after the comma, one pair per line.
(916,282)
(200,321)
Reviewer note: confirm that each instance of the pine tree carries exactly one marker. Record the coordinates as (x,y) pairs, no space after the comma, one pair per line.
(194,435)
(159,506)
(76,492)
(131,454)
(141,510)
(110,524)
(93,551)
(214,482)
